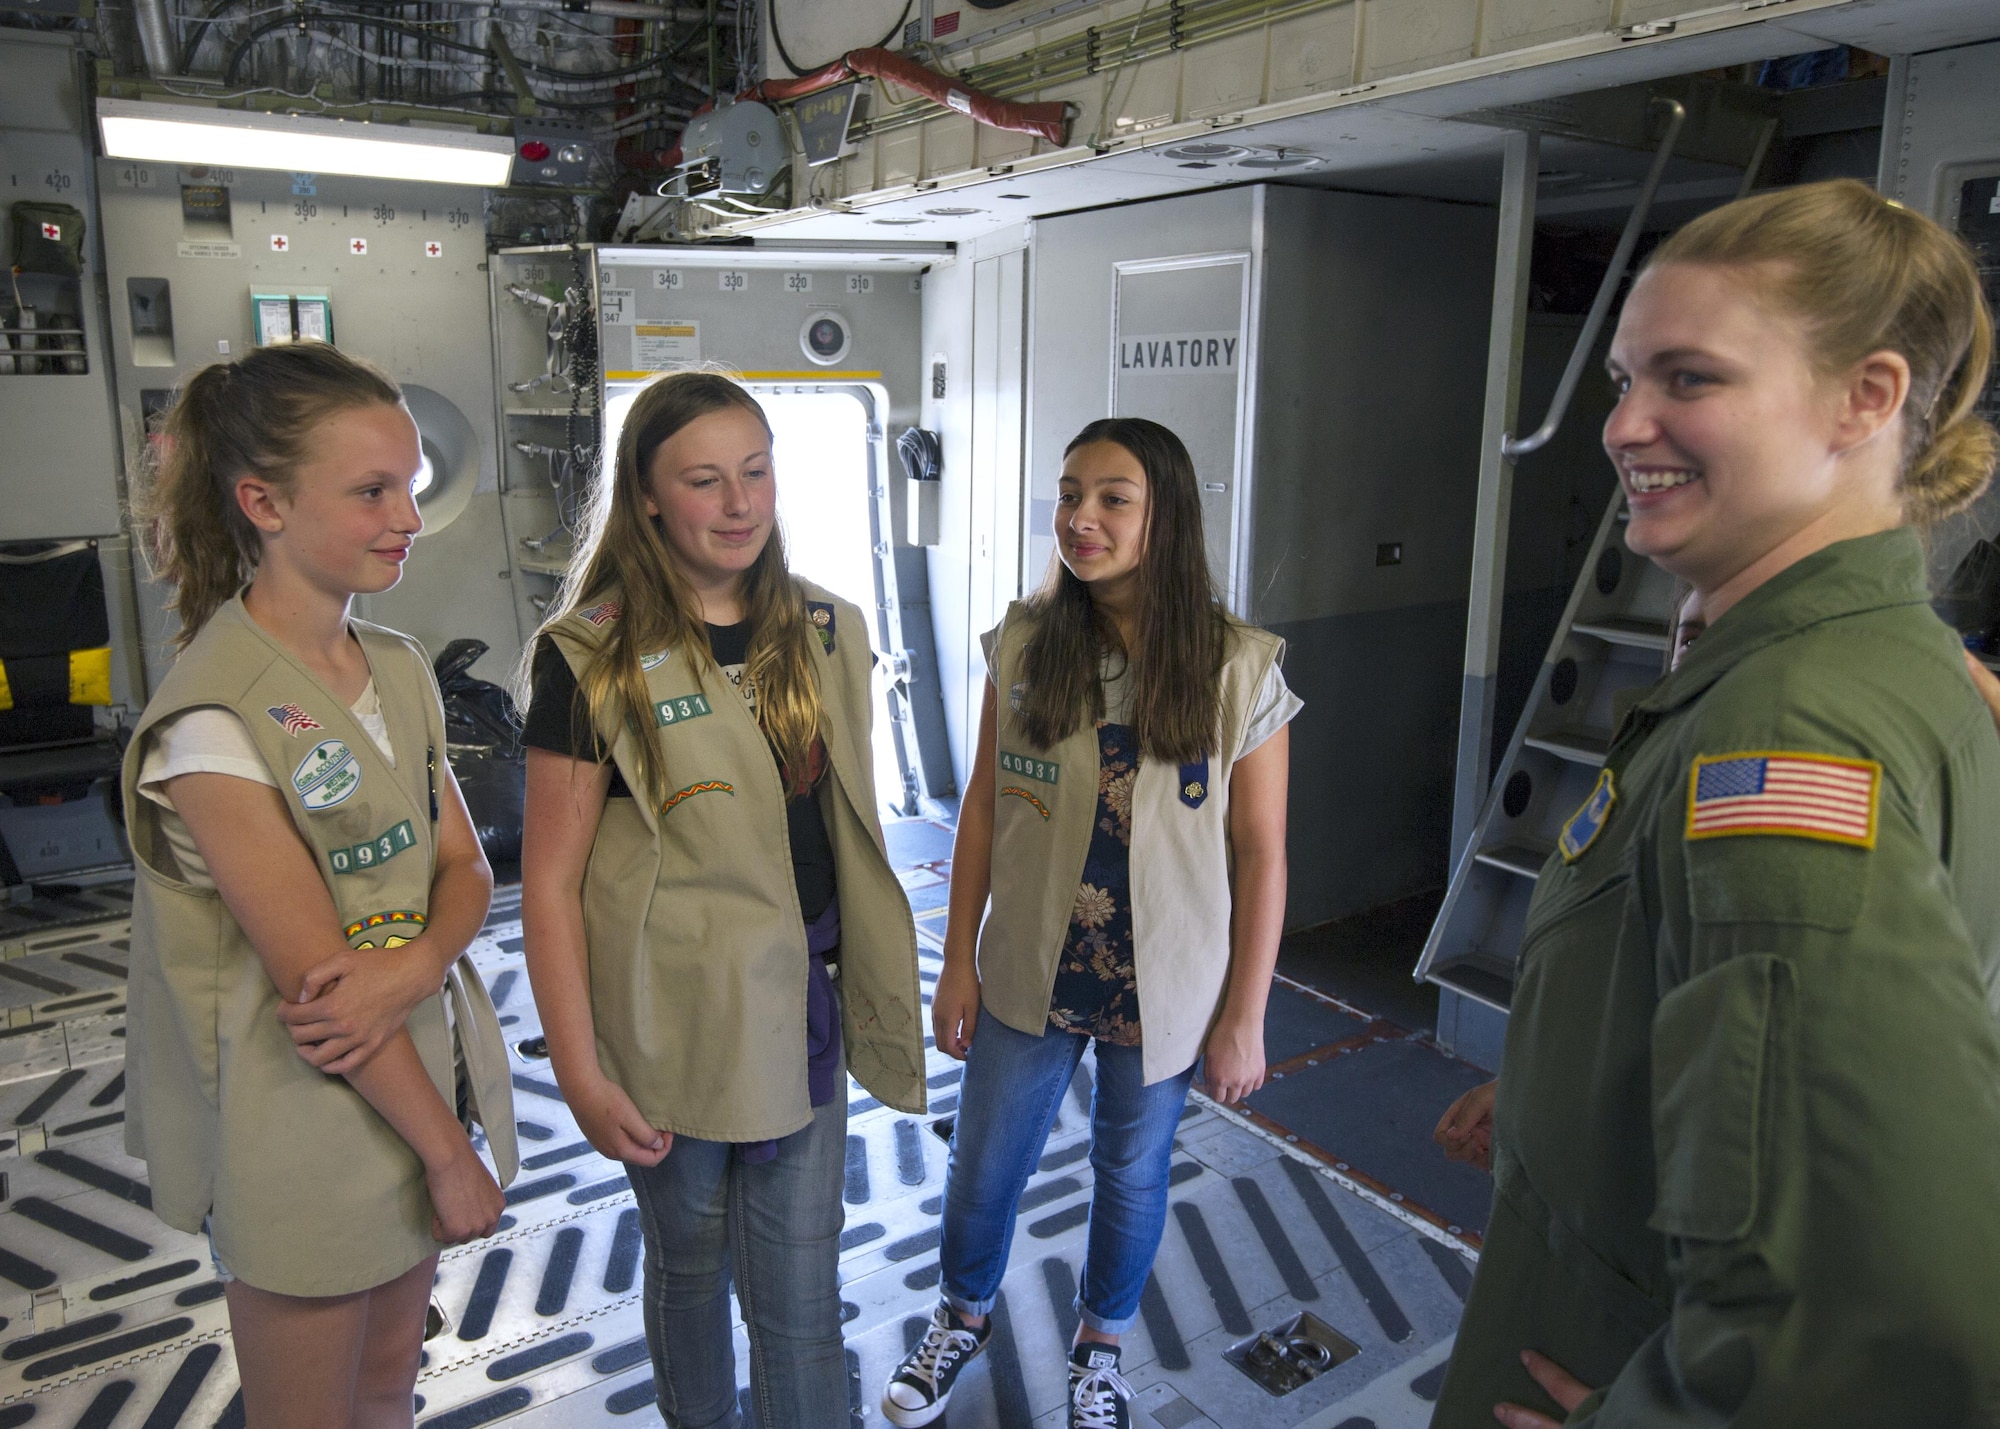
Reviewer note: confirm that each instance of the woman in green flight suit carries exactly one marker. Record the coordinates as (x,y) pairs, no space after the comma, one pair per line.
(1746,1147)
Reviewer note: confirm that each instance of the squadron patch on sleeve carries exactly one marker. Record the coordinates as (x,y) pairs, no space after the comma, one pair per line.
(1588,822)
(820,613)
(1808,796)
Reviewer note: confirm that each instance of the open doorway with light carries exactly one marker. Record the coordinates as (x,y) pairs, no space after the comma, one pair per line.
(825,450)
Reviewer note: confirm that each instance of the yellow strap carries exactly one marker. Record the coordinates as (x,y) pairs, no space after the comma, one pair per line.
(6,690)
(90,676)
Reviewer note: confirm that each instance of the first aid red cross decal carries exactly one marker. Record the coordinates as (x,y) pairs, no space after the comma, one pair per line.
(359,245)
(433,249)
(52,232)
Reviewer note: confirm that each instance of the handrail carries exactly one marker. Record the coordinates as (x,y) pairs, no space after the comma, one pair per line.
(1515,447)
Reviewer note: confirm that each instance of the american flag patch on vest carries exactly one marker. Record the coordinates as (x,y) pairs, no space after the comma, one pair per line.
(292,718)
(1809,796)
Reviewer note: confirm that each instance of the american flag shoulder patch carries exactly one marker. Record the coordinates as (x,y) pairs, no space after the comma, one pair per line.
(602,612)
(1784,792)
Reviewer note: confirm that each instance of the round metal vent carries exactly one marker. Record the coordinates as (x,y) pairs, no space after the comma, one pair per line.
(1213,151)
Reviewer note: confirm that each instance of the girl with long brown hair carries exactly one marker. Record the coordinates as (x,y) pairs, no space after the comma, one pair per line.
(306,867)
(712,927)
(1126,815)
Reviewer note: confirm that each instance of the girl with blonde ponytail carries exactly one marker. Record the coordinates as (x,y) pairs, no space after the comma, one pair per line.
(712,928)
(1752,1056)
(303,1030)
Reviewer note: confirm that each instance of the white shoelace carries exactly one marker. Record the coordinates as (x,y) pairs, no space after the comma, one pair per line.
(1096,1398)
(941,1345)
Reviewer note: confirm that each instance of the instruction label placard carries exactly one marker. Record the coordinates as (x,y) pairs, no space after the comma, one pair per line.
(662,343)
(614,306)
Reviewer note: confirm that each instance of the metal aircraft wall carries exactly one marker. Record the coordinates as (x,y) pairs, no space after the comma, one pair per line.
(1337,457)
(401,267)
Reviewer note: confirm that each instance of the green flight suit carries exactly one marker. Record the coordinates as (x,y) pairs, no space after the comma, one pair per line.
(1747,1145)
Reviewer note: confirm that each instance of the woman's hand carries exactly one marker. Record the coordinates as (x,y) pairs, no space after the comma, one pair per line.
(353,1002)
(611,1122)
(465,1200)
(955,1007)
(1562,1386)
(1232,1063)
(1465,1131)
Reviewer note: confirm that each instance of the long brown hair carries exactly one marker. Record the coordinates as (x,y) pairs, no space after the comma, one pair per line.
(1866,275)
(1183,631)
(623,557)
(250,417)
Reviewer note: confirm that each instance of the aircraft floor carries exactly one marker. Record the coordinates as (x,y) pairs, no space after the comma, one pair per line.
(113,1321)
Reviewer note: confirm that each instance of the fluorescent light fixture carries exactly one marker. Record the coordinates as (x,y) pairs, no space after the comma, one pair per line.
(295,143)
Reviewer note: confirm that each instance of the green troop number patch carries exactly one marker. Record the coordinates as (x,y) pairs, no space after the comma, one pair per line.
(1042,769)
(361,857)
(680,709)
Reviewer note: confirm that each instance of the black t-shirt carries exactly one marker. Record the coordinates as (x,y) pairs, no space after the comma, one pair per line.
(555,724)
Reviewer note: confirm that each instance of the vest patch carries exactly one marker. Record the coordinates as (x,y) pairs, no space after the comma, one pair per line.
(1017,697)
(602,612)
(1194,783)
(707,786)
(1042,770)
(327,776)
(821,615)
(654,660)
(406,923)
(1020,793)
(292,719)
(372,853)
(1588,822)
(680,709)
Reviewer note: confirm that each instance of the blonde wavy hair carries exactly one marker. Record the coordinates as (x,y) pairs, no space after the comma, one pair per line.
(1864,274)
(622,557)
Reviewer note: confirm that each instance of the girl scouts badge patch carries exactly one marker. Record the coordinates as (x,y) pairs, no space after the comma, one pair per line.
(821,615)
(1588,822)
(327,776)
(1194,782)
(653,661)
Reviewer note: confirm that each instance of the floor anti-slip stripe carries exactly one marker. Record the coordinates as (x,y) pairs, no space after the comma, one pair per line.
(104,1406)
(174,1400)
(79,1168)
(559,1272)
(97,1235)
(1279,1245)
(626,1243)
(1214,1272)
(1360,1269)
(1168,1346)
(54,1092)
(1010,1389)
(27,1347)
(478,1316)
(98,1351)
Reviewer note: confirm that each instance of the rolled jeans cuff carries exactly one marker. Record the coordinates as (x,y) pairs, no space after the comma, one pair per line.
(967,1307)
(1100,1324)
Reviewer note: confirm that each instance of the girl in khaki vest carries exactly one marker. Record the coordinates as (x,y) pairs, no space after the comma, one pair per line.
(1126,812)
(302,1027)
(712,925)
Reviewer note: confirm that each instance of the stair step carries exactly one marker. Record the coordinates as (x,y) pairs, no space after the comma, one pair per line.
(1480,978)
(1520,857)
(1623,630)
(1576,747)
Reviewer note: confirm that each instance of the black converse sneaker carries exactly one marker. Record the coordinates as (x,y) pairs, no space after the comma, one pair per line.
(1097,1392)
(917,1392)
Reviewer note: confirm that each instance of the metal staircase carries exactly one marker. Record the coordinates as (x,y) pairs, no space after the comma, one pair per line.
(1612,641)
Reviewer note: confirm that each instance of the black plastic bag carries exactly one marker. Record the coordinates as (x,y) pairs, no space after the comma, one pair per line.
(483,742)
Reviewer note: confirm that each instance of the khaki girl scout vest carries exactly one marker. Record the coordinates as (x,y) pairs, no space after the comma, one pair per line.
(1045,802)
(311,1191)
(697,946)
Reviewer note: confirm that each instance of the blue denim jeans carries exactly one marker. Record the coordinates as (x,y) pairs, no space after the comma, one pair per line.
(774,1229)
(1013,1085)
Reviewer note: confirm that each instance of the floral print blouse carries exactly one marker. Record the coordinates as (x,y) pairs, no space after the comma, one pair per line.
(1097,989)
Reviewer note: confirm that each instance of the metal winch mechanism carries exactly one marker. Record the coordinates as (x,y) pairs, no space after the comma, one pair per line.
(737,148)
